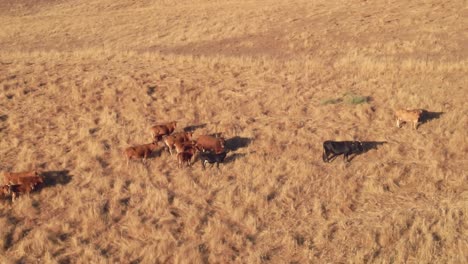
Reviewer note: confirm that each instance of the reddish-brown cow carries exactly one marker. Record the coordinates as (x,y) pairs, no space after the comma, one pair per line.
(210,143)
(19,185)
(184,146)
(140,151)
(16,189)
(185,157)
(158,131)
(17,177)
(180,137)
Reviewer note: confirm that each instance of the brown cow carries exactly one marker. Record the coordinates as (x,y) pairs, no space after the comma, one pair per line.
(184,146)
(158,131)
(185,157)
(24,185)
(180,137)
(20,183)
(16,177)
(16,189)
(140,151)
(210,143)
(408,115)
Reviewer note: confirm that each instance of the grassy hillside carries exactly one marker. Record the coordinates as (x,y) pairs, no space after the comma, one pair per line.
(82,80)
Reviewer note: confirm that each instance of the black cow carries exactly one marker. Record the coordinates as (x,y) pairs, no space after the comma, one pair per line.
(340,147)
(210,157)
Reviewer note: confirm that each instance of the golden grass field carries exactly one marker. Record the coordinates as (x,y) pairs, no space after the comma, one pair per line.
(82,80)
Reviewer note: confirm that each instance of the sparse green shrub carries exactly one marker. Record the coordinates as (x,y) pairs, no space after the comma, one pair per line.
(355,99)
(331,101)
(349,98)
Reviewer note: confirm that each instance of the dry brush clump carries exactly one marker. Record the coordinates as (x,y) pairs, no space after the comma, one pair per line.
(79,84)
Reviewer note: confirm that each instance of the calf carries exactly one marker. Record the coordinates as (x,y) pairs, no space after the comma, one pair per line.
(184,157)
(16,189)
(340,147)
(140,151)
(18,177)
(212,158)
(184,146)
(158,131)
(180,137)
(408,116)
(210,143)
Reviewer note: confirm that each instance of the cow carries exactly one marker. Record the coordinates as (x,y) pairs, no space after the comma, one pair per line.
(180,137)
(185,157)
(140,151)
(20,183)
(16,177)
(184,146)
(210,143)
(408,115)
(211,158)
(158,131)
(29,181)
(340,147)
(16,189)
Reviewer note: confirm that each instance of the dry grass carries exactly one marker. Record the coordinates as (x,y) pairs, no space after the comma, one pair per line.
(81,81)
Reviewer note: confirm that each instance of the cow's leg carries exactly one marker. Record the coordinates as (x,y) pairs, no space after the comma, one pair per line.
(415,124)
(325,155)
(345,156)
(203,164)
(329,158)
(398,124)
(332,157)
(354,156)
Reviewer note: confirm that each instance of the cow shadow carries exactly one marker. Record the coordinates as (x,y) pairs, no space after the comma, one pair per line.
(158,152)
(53,178)
(366,147)
(237,142)
(3,118)
(194,127)
(233,157)
(369,145)
(428,116)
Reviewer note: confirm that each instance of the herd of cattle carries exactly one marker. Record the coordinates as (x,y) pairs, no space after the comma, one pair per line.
(210,150)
